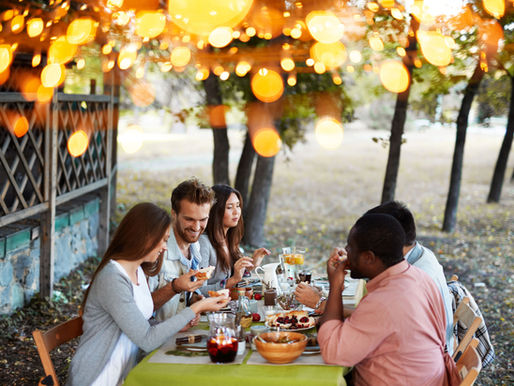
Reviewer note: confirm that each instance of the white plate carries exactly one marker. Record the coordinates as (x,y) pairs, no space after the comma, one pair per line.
(289,329)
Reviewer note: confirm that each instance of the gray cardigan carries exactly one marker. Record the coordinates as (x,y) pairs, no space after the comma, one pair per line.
(209,257)
(111,309)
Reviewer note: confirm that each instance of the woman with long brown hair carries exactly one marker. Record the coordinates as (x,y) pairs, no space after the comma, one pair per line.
(118,303)
(219,246)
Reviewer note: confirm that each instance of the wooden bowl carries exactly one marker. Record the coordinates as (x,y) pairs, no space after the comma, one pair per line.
(269,346)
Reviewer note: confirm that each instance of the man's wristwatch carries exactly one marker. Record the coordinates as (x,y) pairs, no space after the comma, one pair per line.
(318,304)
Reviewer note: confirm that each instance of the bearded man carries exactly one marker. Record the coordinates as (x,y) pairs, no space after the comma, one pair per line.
(175,285)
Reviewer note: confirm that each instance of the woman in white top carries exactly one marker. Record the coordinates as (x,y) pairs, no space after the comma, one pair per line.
(118,303)
(219,246)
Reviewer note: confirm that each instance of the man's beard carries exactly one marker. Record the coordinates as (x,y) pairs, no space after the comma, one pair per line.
(186,236)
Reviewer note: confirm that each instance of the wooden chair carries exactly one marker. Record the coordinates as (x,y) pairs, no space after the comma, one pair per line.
(465,315)
(469,364)
(47,341)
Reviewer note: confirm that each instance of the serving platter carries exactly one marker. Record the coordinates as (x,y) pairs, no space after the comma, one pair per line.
(289,329)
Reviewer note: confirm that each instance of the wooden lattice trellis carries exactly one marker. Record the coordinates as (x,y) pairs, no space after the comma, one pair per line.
(37,173)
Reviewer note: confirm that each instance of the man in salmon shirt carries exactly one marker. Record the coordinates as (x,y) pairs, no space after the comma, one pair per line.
(396,335)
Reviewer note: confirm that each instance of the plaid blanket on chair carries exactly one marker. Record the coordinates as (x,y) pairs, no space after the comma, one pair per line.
(485,348)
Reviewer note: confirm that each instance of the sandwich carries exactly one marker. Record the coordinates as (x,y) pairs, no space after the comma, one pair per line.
(222,292)
(205,273)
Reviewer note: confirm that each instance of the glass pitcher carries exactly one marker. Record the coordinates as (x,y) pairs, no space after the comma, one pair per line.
(222,343)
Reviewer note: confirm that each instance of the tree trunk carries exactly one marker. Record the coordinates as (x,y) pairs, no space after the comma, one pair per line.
(398,123)
(501,164)
(244,171)
(450,213)
(220,173)
(258,204)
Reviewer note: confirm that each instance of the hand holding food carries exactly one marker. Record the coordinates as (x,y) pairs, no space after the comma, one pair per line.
(205,273)
(240,265)
(210,304)
(222,292)
(184,283)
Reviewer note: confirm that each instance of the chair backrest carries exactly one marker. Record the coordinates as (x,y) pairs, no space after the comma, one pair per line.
(469,364)
(46,341)
(467,318)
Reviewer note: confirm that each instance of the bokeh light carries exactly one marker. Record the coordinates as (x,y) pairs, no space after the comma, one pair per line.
(5,57)
(220,37)
(180,56)
(36,60)
(28,87)
(217,116)
(267,85)
(78,143)
(434,48)
(21,126)
(61,51)
(142,93)
(53,75)
(131,139)
(266,142)
(376,43)
(355,56)
(394,76)
(202,74)
(291,80)
(44,94)
(34,27)
(324,26)
(200,17)
(81,31)
(329,133)
(287,64)
(242,68)
(127,56)
(150,24)
(331,55)
(17,24)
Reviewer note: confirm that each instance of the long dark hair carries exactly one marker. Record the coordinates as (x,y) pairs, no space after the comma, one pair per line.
(215,228)
(140,231)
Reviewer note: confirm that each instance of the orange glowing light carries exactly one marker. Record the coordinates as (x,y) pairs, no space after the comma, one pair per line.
(5,57)
(127,56)
(44,94)
(36,60)
(21,126)
(53,74)
(29,87)
(242,68)
(180,56)
(217,116)
(17,24)
(396,13)
(324,26)
(267,85)
(150,24)
(309,62)
(376,43)
(386,3)
(287,64)
(495,8)
(4,75)
(78,143)
(142,93)
(34,27)
(81,63)
(106,49)
(330,55)
(401,51)
(266,142)
(220,37)
(319,68)
(329,133)
(61,52)
(434,48)
(81,31)
(394,76)
(267,21)
(337,79)
(202,74)
(372,6)
(201,17)
(291,80)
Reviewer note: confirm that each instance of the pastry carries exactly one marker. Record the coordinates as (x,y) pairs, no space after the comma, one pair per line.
(205,273)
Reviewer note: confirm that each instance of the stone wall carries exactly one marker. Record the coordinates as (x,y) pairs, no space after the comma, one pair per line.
(76,228)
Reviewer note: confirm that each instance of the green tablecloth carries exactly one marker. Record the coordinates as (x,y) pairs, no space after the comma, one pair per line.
(146,373)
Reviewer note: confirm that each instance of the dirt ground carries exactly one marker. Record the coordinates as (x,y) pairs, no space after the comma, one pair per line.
(317,195)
